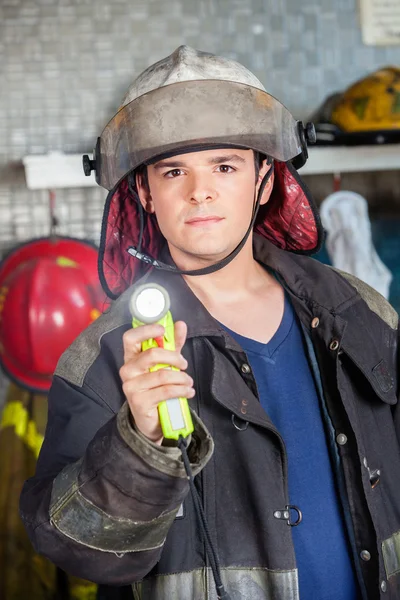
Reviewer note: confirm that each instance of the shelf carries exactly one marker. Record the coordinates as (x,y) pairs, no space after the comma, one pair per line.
(57,170)
(351,159)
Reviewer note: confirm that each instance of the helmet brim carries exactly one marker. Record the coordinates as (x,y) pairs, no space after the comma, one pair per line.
(195,115)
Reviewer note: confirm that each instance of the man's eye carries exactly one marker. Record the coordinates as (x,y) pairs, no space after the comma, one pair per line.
(226,169)
(173,173)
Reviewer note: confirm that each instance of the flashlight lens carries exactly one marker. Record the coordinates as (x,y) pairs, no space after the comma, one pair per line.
(150,303)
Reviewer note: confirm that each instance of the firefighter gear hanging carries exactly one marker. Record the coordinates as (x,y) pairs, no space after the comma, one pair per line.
(49,293)
(23,573)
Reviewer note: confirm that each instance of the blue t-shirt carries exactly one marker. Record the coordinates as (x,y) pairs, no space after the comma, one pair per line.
(288,394)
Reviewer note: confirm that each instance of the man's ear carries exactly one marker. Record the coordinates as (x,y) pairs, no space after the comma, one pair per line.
(265,167)
(143,189)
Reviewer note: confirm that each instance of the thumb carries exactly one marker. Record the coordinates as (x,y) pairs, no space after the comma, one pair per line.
(180,335)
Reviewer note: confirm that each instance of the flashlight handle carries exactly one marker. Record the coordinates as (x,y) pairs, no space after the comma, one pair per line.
(174,414)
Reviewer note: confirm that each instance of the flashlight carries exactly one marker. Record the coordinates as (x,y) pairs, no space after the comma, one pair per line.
(150,303)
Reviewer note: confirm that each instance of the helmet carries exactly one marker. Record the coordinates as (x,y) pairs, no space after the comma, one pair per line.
(192,101)
(49,293)
(368,112)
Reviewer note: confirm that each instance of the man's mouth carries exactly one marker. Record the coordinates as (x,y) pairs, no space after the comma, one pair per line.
(204,220)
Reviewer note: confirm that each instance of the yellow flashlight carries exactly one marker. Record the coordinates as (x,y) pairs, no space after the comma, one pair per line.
(150,303)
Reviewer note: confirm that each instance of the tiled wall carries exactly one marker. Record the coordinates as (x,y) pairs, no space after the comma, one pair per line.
(65,64)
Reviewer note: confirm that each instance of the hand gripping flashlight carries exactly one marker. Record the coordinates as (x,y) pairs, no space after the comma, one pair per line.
(150,304)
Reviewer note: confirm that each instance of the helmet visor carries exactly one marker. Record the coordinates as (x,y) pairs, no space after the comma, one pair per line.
(194,115)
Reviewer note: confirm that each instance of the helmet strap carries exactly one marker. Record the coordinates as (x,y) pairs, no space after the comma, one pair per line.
(136,252)
(132,189)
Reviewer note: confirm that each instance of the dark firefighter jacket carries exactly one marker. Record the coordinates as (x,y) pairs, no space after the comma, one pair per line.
(108,505)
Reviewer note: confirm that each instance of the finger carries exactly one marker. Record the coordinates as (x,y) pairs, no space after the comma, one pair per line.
(142,362)
(142,403)
(133,338)
(160,378)
(180,335)
(149,381)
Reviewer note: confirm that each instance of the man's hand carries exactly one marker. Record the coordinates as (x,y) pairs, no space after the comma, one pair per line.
(143,389)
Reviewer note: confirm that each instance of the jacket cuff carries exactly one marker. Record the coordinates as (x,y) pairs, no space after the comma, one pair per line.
(79,519)
(167,459)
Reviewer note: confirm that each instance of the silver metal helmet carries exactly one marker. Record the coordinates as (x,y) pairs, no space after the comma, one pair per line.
(192,101)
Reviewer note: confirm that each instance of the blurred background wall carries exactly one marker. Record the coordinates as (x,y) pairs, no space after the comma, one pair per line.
(65,65)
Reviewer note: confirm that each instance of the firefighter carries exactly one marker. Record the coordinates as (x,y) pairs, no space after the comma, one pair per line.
(289,367)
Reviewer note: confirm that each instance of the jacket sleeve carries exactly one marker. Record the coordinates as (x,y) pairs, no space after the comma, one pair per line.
(104,497)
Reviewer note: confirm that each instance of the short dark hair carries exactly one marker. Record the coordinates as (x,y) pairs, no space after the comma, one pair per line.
(258,161)
(142,172)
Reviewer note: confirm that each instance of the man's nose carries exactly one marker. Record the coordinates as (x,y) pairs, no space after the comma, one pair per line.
(201,189)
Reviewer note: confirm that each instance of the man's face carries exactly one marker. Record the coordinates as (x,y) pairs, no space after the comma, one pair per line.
(203,201)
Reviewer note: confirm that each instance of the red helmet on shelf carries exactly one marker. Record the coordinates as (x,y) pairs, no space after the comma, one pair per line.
(49,293)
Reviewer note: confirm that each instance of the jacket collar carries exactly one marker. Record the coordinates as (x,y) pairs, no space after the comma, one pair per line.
(315,291)
(300,275)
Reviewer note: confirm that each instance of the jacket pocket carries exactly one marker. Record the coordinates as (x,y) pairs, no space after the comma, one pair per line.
(380,376)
